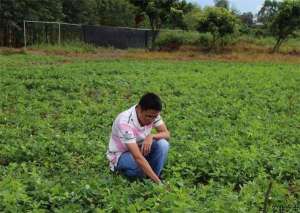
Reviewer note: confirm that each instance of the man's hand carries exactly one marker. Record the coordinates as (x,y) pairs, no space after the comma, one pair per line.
(142,162)
(146,147)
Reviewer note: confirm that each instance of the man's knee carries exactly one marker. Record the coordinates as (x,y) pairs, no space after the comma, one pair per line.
(163,145)
(129,166)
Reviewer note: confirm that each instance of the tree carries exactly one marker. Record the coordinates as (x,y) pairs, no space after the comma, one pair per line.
(247,18)
(222,3)
(158,12)
(220,22)
(192,18)
(268,10)
(285,22)
(79,11)
(115,13)
(176,18)
(12,14)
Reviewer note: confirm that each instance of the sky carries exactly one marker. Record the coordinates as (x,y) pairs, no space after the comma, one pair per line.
(241,5)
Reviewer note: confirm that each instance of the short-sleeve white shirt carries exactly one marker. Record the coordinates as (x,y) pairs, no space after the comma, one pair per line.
(127,129)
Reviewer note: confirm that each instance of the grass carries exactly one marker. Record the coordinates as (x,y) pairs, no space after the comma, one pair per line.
(67,47)
(292,45)
(234,127)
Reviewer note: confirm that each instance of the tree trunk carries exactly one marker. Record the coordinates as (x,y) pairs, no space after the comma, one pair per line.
(277,45)
(5,35)
(154,36)
(214,45)
(46,34)
(9,36)
(1,32)
(155,31)
(138,19)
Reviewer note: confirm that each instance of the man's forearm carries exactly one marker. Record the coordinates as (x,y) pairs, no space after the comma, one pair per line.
(160,135)
(145,166)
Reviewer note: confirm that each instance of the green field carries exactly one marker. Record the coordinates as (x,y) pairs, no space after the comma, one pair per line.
(234,126)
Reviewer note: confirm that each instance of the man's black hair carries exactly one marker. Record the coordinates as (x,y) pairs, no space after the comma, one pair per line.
(150,101)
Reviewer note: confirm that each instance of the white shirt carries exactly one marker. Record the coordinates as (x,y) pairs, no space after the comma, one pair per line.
(127,129)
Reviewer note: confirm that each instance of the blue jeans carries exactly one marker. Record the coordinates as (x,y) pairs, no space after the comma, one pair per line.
(156,158)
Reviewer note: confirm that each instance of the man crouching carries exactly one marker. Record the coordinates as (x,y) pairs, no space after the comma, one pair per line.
(133,150)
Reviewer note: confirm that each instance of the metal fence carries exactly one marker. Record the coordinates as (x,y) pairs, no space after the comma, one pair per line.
(37,32)
(117,36)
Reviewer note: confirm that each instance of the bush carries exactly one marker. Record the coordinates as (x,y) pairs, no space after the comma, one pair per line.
(245,30)
(205,40)
(171,40)
(221,24)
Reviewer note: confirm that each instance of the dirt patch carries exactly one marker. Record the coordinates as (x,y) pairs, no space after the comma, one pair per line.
(240,54)
(294,53)
(227,56)
(11,51)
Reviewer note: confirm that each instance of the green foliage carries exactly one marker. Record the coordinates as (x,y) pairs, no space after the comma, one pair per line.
(12,14)
(104,12)
(222,3)
(234,126)
(290,46)
(221,23)
(178,12)
(191,19)
(115,13)
(158,13)
(168,40)
(247,18)
(79,11)
(286,21)
(205,40)
(268,10)
(13,195)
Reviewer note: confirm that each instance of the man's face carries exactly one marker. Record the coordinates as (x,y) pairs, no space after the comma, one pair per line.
(146,117)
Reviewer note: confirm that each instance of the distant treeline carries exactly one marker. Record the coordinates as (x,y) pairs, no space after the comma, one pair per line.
(154,14)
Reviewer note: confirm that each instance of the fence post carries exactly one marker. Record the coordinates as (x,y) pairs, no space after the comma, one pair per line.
(24,26)
(146,39)
(59,33)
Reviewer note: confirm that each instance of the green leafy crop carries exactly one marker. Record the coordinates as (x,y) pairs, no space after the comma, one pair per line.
(234,129)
